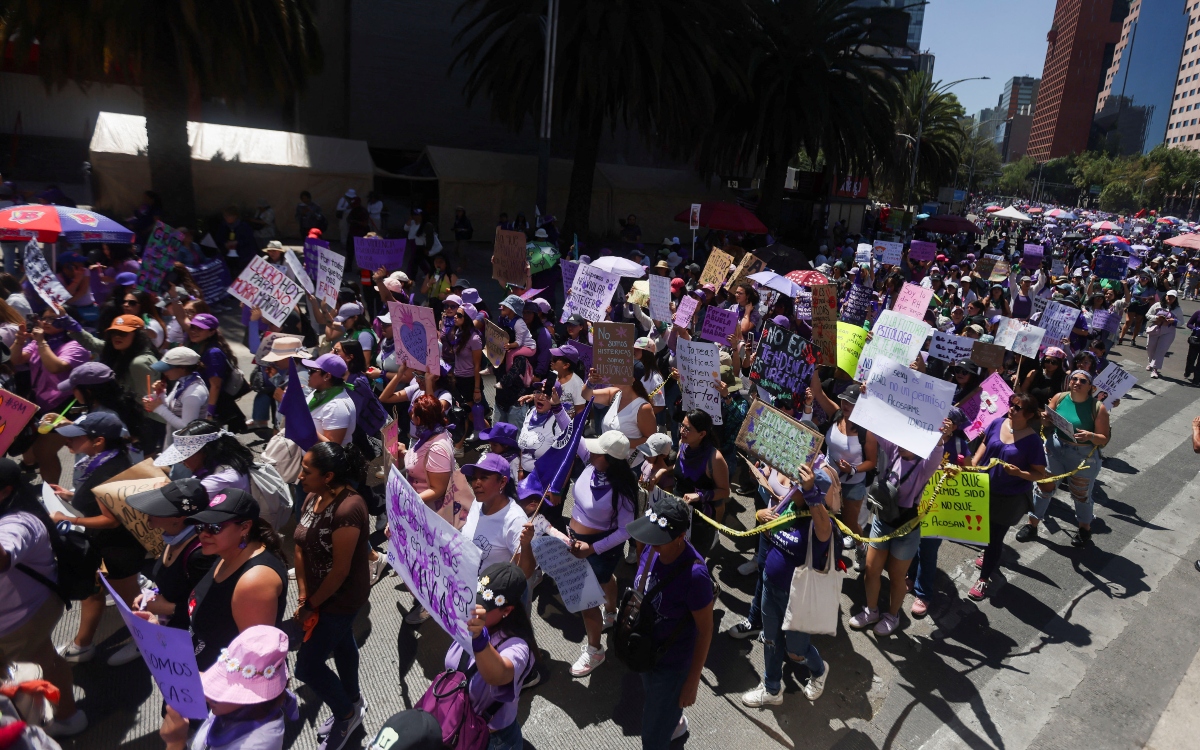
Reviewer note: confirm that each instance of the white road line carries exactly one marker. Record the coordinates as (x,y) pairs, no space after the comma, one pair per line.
(1022,700)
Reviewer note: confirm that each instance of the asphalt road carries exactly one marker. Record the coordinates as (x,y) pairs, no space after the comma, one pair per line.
(1075,649)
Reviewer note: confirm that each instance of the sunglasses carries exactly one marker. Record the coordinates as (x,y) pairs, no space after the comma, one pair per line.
(460,315)
(1079,380)
(129,302)
(212,528)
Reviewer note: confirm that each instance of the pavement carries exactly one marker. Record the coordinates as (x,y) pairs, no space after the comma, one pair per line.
(1092,648)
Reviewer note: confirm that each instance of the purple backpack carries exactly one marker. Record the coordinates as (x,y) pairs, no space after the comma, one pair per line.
(448,699)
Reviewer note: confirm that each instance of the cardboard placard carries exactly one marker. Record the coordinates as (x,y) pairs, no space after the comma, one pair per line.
(311,256)
(750,264)
(950,348)
(1113,267)
(784,362)
(591,292)
(716,269)
(1062,423)
(987,356)
(141,477)
(569,269)
(1113,384)
(857,304)
(613,352)
(660,299)
(850,342)
(1032,256)
(1028,341)
(862,253)
(298,271)
(825,323)
(268,288)
(984,267)
(1000,271)
(770,436)
(158,257)
(15,413)
(694,217)
(718,324)
(371,253)
(639,294)
(699,366)
(894,336)
(508,257)
(495,340)
(42,278)
(328,281)
(962,510)
(685,311)
(921,250)
(1058,320)
(416,336)
(890,253)
(573,576)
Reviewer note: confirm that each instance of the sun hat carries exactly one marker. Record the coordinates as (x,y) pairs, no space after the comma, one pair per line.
(228,504)
(89,373)
(186,446)
(275,245)
(180,356)
(286,347)
(500,584)
(251,669)
(470,311)
(612,443)
(514,303)
(674,259)
(664,522)
(658,444)
(95,424)
(492,462)
(180,498)
(470,296)
(541,234)
(125,278)
(500,432)
(127,324)
(205,321)
(396,281)
(663,264)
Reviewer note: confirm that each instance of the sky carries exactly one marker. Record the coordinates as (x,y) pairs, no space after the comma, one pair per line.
(980,38)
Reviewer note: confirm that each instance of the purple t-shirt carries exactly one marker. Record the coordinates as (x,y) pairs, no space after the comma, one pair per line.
(788,548)
(484,695)
(464,359)
(45,383)
(214,364)
(24,537)
(1026,452)
(688,592)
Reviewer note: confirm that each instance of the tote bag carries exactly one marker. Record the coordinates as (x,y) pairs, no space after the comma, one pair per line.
(815,599)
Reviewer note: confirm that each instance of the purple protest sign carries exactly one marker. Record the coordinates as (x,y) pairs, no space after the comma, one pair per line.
(913,300)
(854,309)
(718,324)
(685,311)
(1032,257)
(920,250)
(585,354)
(311,256)
(375,252)
(985,405)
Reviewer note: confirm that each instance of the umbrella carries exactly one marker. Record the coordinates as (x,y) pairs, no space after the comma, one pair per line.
(948,224)
(1073,236)
(1055,212)
(1105,226)
(807,278)
(1067,216)
(1169,220)
(1011,214)
(1035,210)
(1139,249)
(991,209)
(620,266)
(726,216)
(772,280)
(50,223)
(1110,239)
(1190,241)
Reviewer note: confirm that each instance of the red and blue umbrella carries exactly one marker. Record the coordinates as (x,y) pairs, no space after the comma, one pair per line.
(1110,239)
(51,223)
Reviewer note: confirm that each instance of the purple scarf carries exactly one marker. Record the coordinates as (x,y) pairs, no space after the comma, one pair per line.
(693,464)
(227,729)
(425,433)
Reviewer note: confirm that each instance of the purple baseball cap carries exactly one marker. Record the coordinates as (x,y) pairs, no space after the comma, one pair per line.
(206,321)
(566,351)
(89,373)
(330,363)
(492,462)
(126,278)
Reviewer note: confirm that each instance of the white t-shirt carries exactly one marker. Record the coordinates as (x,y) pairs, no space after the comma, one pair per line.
(498,536)
(572,391)
(651,383)
(335,414)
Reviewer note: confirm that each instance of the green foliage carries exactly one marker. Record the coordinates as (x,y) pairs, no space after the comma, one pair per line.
(1118,197)
(1015,177)
(943,140)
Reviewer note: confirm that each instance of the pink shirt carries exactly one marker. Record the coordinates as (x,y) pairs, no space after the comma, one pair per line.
(436,455)
(45,384)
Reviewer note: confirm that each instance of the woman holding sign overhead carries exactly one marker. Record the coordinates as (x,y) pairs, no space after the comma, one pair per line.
(629,411)
(852,450)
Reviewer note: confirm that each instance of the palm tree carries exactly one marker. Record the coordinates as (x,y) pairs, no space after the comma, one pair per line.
(230,49)
(943,138)
(646,64)
(813,87)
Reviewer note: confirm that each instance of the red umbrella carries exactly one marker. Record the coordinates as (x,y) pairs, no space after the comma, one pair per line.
(726,216)
(948,224)
(992,209)
(807,278)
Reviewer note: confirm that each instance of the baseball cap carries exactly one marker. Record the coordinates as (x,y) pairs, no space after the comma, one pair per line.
(612,443)
(175,500)
(95,424)
(127,323)
(89,373)
(228,504)
(566,351)
(500,584)
(500,432)
(125,278)
(677,285)
(347,311)
(658,444)
(576,320)
(205,321)
(179,356)
(664,522)
(330,363)
(460,283)
(492,462)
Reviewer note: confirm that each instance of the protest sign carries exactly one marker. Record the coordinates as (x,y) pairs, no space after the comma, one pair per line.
(962,510)
(43,280)
(913,301)
(920,250)
(171,657)
(770,436)
(749,264)
(890,252)
(660,299)
(1039,306)
(1028,340)
(585,354)
(718,324)
(495,340)
(15,413)
(1007,331)
(141,477)
(330,266)
(716,269)
(508,257)
(213,279)
(1104,320)
(1110,267)
(685,311)
(894,336)
(949,347)
(1000,271)
(55,504)
(825,323)
(903,406)
(850,342)
(694,217)
(439,565)
(1113,384)
(1061,423)
(158,257)
(312,255)
(862,253)
(1057,268)
(573,576)
(699,366)
(416,335)
(858,301)
(984,267)
(613,352)
(640,293)
(591,292)
(803,307)
(987,356)
(1058,320)
(569,269)
(1032,256)
(985,405)
(268,288)
(784,362)
(298,271)
(371,253)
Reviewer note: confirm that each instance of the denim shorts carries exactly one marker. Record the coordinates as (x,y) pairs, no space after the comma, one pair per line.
(604,564)
(902,547)
(854,493)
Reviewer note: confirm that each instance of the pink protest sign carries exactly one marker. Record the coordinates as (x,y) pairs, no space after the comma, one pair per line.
(416,336)
(920,250)
(988,403)
(718,324)
(685,311)
(15,413)
(913,300)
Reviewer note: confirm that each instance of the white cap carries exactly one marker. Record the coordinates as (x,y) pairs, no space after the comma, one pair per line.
(612,443)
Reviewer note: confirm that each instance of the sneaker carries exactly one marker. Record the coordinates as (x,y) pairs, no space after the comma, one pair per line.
(291,574)
(681,728)
(339,732)
(860,558)
(888,624)
(865,618)
(379,569)
(1148,367)
(1082,539)
(920,607)
(748,568)
(816,685)
(979,591)
(459,452)
(760,696)
(69,727)
(127,653)
(1027,532)
(847,542)
(360,708)
(589,659)
(631,556)
(609,618)
(979,563)
(1154,374)
(744,629)
(76,654)
(533,679)
(416,615)
(258,424)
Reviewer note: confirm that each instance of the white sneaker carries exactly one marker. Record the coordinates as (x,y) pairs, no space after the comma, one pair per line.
(589,659)
(416,615)
(291,574)
(760,696)
(748,568)
(847,542)
(681,728)
(816,685)
(75,654)
(67,727)
(631,556)
(127,653)
(610,618)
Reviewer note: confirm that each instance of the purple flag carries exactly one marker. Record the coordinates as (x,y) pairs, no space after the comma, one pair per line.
(554,466)
(299,428)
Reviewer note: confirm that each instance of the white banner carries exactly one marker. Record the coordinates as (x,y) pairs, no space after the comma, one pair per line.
(1114,383)
(894,336)
(660,299)
(268,288)
(949,347)
(293,264)
(591,293)
(42,278)
(699,365)
(330,266)
(904,406)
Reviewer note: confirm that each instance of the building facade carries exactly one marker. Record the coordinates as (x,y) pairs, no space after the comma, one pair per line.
(1182,128)
(1019,97)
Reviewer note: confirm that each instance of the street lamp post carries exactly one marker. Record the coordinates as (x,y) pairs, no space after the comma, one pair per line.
(543,177)
(912,175)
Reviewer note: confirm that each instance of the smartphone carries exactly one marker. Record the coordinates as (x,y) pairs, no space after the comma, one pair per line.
(551,380)
(750,336)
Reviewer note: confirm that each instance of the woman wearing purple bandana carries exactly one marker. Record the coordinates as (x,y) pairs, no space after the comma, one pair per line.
(701,476)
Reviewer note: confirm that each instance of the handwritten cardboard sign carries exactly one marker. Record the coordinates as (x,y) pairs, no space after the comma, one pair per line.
(141,477)
(685,311)
(984,267)
(913,301)
(894,336)
(1113,384)
(699,366)
(718,324)
(717,268)
(439,565)
(858,302)
(613,352)
(862,253)
(416,336)
(903,406)
(268,288)
(508,257)
(949,347)
(987,356)
(1028,340)
(640,293)
(159,256)
(803,309)
(591,293)
(569,269)
(1000,271)
(298,271)
(660,299)
(890,253)
(1058,320)
(15,413)
(375,252)
(825,322)
(328,280)
(312,255)
(921,250)
(962,510)
(1104,320)
(770,436)
(496,338)
(573,576)
(750,264)
(1032,256)
(850,342)
(784,363)
(43,279)
(1113,267)
(985,405)
(171,658)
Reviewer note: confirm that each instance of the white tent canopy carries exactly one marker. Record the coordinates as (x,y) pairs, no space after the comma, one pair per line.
(232,165)
(1010,213)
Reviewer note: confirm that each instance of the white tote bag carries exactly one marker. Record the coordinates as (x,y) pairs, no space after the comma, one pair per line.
(815,599)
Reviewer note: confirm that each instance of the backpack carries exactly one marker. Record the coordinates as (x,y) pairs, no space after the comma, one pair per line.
(633,635)
(236,384)
(274,496)
(448,700)
(76,557)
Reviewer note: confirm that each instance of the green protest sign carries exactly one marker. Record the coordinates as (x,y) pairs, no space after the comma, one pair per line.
(770,436)
(962,511)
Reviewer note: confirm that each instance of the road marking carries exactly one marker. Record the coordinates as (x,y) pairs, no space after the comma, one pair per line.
(1022,698)
(1179,724)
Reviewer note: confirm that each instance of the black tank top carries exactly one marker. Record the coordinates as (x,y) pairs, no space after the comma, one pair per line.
(211,608)
(684,485)
(176,581)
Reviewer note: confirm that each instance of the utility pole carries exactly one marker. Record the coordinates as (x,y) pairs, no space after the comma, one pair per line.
(543,183)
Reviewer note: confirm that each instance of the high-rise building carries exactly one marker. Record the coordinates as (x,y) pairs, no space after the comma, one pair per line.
(1182,130)
(988,122)
(916,17)
(1134,107)
(1019,97)
(1079,51)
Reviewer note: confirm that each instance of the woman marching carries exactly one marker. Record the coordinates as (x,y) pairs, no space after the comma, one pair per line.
(701,477)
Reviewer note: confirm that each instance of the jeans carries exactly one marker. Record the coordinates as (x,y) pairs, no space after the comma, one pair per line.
(508,738)
(262,407)
(333,633)
(660,706)
(1062,457)
(1192,366)
(774,605)
(755,613)
(924,567)
(514,416)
